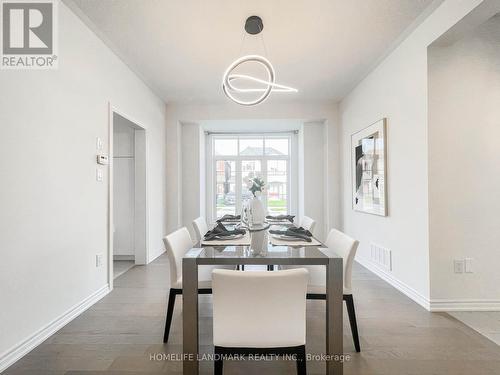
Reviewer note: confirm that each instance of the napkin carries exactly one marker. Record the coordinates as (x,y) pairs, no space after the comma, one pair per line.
(281,217)
(221,231)
(228,217)
(294,232)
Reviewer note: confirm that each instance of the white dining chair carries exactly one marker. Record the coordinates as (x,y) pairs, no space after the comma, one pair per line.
(259,313)
(307,223)
(200,228)
(345,246)
(177,244)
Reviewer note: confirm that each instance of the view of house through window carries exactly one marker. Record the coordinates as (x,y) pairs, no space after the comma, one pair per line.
(237,158)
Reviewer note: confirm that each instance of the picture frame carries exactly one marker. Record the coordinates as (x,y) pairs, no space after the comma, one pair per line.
(369,169)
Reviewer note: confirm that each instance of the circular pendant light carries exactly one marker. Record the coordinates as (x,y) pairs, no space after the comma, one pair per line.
(234,84)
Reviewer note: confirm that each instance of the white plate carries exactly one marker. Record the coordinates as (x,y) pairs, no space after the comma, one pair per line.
(287,238)
(231,237)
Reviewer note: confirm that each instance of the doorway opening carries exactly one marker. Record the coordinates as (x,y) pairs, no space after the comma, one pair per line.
(464,92)
(129,229)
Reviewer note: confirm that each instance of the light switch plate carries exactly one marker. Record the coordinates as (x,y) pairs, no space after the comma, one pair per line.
(98,260)
(458,266)
(468,265)
(98,143)
(99,175)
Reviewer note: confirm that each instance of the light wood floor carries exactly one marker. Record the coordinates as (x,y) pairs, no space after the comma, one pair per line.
(121,266)
(486,323)
(398,337)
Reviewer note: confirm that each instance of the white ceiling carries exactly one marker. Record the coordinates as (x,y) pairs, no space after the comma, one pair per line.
(181,48)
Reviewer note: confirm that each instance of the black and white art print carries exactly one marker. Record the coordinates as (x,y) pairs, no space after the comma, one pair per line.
(369,169)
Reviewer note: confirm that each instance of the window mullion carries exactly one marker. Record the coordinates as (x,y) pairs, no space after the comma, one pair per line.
(263,166)
(238,186)
(288,185)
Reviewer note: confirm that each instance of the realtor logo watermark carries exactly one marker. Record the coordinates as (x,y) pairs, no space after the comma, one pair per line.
(29,39)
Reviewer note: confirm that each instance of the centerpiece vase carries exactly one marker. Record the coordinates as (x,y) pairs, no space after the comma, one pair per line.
(257,212)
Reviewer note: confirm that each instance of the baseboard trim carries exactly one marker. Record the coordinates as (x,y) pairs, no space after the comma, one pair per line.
(437,305)
(433,305)
(156,255)
(18,351)
(123,257)
(399,285)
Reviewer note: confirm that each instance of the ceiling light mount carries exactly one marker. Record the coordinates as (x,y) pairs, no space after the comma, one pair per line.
(254,25)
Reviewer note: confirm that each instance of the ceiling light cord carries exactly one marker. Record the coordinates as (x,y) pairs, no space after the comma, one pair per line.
(263,44)
(242,44)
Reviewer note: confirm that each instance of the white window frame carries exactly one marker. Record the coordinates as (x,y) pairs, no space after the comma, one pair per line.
(211,159)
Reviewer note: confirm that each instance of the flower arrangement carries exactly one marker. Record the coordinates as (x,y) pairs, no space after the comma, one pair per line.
(256,185)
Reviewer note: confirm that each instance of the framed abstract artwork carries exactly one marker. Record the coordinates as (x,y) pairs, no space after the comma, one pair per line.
(369,169)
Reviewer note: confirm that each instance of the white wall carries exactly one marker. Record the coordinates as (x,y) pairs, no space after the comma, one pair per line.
(193,174)
(53,215)
(313,188)
(178,114)
(123,187)
(397,89)
(464,165)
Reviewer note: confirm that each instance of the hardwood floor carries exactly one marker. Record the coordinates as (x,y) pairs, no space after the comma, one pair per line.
(121,266)
(120,333)
(486,323)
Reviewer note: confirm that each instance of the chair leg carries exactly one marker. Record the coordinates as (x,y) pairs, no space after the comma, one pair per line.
(301,361)
(170,312)
(352,320)
(218,362)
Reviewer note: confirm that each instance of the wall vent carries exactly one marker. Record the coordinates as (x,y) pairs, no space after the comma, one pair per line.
(381,256)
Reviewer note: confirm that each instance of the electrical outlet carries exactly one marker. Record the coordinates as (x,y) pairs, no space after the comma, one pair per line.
(459,266)
(468,265)
(98,260)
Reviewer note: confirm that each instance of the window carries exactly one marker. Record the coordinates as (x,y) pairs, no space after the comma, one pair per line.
(234,159)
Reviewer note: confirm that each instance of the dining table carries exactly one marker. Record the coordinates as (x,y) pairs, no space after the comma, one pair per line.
(259,247)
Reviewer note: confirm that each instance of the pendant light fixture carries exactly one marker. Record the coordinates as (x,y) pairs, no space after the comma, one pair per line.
(235,83)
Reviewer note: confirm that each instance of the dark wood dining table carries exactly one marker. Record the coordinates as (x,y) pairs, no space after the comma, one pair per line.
(262,252)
